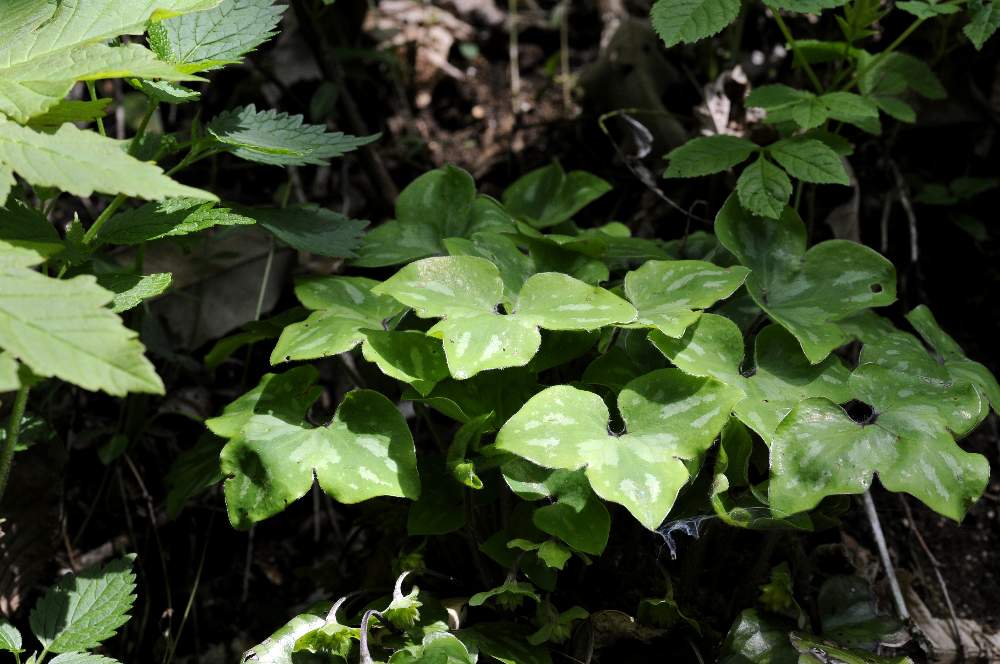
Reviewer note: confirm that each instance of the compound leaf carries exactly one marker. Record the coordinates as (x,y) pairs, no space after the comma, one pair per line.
(984,20)
(82,162)
(688,21)
(280,139)
(61,328)
(671,420)
(809,160)
(806,292)
(670,295)
(366,451)
(763,188)
(84,609)
(708,154)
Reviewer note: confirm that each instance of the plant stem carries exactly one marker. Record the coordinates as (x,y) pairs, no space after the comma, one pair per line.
(13,431)
(813,78)
(92,89)
(861,71)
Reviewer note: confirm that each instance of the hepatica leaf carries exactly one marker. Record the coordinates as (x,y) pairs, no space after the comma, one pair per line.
(671,420)
(670,295)
(366,451)
(806,292)
(465,292)
(549,196)
(286,396)
(780,377)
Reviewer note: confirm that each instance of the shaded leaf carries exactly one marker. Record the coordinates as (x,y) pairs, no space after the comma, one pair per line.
(549,196)
(764,189)
(687,21)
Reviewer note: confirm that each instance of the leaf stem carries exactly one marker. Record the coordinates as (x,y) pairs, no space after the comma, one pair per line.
(92,89)
(13,431)
(861,71)
(810,73)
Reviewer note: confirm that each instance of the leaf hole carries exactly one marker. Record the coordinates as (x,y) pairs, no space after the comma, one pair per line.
(861,413)
(876,288)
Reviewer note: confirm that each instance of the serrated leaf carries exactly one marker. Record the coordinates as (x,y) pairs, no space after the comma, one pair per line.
(670,295)
(62,328)
(10,637)
(809,160)
(222,34)
(131,290)
(82,658)
(366,451)
(285,396)
(671,420)
(82,162)
(27,228)
(708,154)
(805,6)
(71,110)
(41,65)
(279,139)
(984,20)
(763,188)
(818,451)
(170,218)
(344,308)
(806,292)
(549,196)
(465,292)
(312,228)
(781,375)
(84,609)
(688,21)
(894,73)
(809,111)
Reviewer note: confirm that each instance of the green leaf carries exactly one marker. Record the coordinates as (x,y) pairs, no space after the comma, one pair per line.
(807,292)
(251,333)
(278,647)
(131,290)
(193,471)
(549,196)
(670,295)
(84,609)
(805,6)
(343,309)
(895,73)
(82,658)
(671,420)
(781,375)
(25,227)
(808,111)
(366,451)
(170,218)
(279,139)
(43,56)
(984,20)
(515,267)
(82,162)
(688,21)
(71,110)
(504,642)
(440,509)
(819,451)
(776,96)
(755,640)
(312,228)
(850,108)
(925,10)
(436,648)
(442,199)
(9,379)
(287,396)
(223,34)
(809,160)
(61,328)
(509,595)
(554,554)
(708,154)
(409,356)
(809,646)
(465,292)
(764,189)
(10,637)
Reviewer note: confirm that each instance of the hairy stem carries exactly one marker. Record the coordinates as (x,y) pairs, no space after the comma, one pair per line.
(13,431)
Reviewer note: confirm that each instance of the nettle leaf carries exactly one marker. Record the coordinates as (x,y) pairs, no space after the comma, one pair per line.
(61,328)
(10,637)
(809,160)
(763,188)
(131,290)
(465,292)
(439,204)
(312,228)
(671,420)
(670,295)
(66,42)
(170,218)
(781,375)
(84,609)
(366,451)
(819,451)
(687,21)
(23,226)
(220,35)
(82,162)
(280,139)
(806,292)
(707,155)
(984,21)
(82,658)
(549,196)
